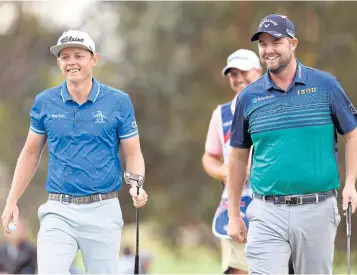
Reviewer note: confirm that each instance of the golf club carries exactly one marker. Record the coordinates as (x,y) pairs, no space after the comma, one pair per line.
(348,236)
(136,265)
(139,183)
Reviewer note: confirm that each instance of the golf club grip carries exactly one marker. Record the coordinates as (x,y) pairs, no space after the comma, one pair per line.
(136,267)
(348,219)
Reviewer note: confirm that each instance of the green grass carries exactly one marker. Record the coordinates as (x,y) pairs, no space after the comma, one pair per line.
(190,261)
(177,260)
(340,262)
(194,260)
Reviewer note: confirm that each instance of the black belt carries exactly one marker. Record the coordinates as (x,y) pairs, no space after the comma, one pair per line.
(82,200)
(298,199)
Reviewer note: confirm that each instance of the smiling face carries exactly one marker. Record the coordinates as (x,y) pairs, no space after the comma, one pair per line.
(276,53)
(77,64)
(240,79)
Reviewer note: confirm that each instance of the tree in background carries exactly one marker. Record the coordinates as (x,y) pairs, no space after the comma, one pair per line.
(167,56)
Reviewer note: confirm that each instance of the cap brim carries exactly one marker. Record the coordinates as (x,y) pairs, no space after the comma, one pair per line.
(58,48)
(255,37)
(241,65)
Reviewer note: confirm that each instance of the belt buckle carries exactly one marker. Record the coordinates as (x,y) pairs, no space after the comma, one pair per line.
(66,199)
(291,200)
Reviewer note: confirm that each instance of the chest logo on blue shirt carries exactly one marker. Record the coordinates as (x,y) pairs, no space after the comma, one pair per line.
(255,100)
(99,117)
(56,116)
(307,91)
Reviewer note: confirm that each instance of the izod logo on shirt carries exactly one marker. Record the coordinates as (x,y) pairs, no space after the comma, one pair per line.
(307,91)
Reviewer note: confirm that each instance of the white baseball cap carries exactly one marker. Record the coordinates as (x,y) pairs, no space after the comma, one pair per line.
(73,38)
(243,60)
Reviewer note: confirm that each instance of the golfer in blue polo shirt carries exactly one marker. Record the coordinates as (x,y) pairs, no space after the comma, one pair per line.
(291,116)
(84,123)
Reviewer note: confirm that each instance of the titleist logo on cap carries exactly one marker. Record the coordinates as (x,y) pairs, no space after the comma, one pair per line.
(71,39)
(237,57)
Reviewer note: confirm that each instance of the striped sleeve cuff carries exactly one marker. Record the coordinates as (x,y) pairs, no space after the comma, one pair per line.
(239,145)
(37,131)
(132,134)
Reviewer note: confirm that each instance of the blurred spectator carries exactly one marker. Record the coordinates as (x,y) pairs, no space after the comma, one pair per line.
(127,261)
(145,262)
(17,254)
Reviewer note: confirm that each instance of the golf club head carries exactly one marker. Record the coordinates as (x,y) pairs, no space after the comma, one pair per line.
(138,179)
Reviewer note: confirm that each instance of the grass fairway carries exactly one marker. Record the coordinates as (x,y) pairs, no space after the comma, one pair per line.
(340,262)
(193,260)
(166,260)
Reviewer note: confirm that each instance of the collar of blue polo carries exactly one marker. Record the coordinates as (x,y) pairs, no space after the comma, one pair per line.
(300,77)
(92,95)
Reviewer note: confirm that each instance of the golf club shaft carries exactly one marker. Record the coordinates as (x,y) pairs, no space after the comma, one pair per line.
(348,256)
(136,266)
(348,236)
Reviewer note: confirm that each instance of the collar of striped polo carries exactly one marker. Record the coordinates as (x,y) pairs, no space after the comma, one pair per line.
(300,77)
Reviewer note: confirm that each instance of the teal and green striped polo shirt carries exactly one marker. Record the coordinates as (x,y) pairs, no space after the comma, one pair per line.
(294,133)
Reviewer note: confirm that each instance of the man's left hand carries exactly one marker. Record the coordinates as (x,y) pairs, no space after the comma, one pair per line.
(138,200)
(349,194)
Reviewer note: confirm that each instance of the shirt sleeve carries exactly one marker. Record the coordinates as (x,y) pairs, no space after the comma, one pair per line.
(37,118)
(344,114)
(213,143)
(240,137)
(127,127)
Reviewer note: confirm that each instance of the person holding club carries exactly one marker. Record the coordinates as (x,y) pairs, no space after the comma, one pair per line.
(84,123)
(243,68)
(291,117)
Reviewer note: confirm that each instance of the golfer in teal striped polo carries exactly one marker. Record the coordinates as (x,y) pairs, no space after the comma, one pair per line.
(291,116)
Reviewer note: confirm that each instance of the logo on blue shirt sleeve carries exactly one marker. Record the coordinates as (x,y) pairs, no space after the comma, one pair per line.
(352,109)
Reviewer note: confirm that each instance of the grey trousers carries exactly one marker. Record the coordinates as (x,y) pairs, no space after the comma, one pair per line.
(305,232)
(93,228)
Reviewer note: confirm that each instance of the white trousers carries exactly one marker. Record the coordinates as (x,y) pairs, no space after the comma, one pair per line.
(94,228)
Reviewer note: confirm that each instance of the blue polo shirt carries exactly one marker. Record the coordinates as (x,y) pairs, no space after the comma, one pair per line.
(83,140)
(294,132)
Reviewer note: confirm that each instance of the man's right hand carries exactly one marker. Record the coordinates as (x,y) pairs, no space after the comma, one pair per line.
(10,214)
(237,230)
